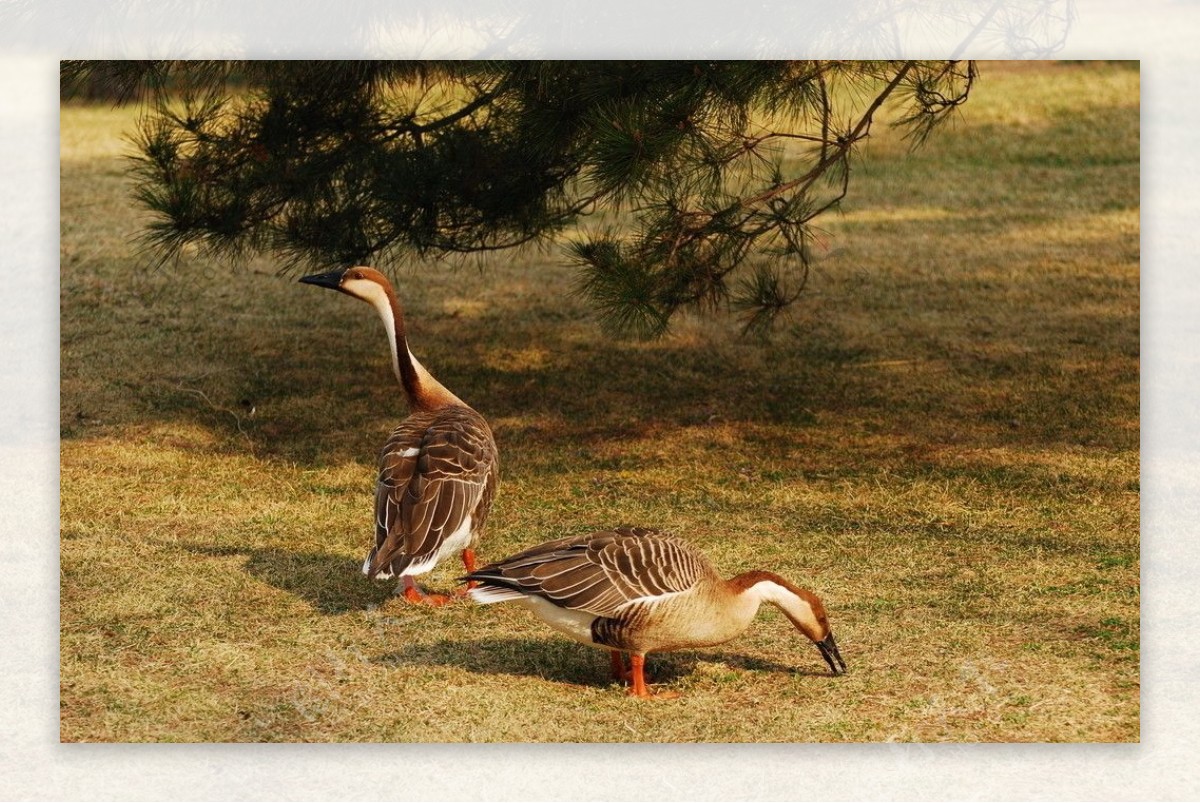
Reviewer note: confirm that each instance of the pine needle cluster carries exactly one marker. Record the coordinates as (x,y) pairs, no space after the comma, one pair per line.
(722,166)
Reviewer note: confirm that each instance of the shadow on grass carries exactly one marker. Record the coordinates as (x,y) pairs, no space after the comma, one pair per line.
(336,404)
(331,584)
(292,374)
(563,661)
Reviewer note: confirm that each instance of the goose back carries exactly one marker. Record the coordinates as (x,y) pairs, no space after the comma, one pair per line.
(646,590)
(601,572)
(437,477)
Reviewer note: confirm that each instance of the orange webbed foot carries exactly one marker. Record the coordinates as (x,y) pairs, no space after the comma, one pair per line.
(637,674)
(416,596)
(655,695)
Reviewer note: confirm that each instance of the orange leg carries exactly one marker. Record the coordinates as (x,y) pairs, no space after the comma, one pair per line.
(638,670)
(468,558)
(418,597)
(619,672)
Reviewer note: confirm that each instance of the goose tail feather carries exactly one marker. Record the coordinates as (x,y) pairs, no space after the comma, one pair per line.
(491,589)
(485,595)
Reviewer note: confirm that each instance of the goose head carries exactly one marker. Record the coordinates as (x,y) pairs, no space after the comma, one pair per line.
(369,285)
(802,607)
(361,282)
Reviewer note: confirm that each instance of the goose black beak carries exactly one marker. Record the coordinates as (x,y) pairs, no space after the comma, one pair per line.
(829,651)
(332,279)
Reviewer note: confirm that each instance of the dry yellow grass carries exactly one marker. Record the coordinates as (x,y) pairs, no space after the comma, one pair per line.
(942,442)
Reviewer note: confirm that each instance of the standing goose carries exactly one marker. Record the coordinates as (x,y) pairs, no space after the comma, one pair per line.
(637,590)
(438,470)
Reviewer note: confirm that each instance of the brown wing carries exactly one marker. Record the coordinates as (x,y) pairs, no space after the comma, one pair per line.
(436,469)
(600,572)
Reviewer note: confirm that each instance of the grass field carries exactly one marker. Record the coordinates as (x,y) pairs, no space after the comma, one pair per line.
(942,442)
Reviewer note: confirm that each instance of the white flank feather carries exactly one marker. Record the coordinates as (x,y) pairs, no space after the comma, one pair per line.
(456,541)
(576,625)
(384,573)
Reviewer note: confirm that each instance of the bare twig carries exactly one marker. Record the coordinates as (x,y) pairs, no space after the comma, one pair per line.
(843,147)
(236,418)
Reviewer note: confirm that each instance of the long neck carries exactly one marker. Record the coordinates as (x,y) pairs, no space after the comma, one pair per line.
(423,391)
(799,605)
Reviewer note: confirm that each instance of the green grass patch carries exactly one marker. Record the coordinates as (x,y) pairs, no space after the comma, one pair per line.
(941,440)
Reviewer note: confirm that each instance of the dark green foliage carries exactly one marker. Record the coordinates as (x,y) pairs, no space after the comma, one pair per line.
(723,165)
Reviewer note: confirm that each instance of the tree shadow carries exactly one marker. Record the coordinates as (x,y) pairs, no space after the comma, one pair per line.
(331,584)
(566,662)
(312,387)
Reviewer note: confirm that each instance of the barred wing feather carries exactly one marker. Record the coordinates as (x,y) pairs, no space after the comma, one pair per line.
(436,470)
(601,572)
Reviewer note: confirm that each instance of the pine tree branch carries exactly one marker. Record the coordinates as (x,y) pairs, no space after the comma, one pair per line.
(418,129)
(321,163)
(843,147)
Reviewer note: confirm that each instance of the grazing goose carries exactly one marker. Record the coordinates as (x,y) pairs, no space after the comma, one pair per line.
(438,470)
(636,590)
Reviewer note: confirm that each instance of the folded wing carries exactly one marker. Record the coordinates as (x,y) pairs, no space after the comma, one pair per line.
(600,572)
(437,474)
